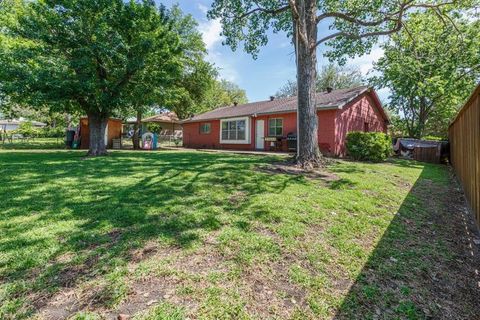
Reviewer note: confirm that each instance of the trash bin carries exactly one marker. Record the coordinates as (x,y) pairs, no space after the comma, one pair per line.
(70,138)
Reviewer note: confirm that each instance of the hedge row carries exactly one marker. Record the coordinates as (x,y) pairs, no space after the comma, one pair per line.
(26,129)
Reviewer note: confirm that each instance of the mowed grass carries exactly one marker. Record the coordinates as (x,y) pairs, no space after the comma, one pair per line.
(174,234)
(33,144)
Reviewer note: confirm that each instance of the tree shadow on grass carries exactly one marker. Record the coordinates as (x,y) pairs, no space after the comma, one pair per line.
(424,266)
(66,221)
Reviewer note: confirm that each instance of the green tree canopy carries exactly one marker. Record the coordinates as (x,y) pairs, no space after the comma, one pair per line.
(430,74)
(331,75)
(195,76)
(224,93)
(97,56)
(198,75)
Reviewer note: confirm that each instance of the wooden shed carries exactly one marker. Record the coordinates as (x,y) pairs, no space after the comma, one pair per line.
(113,131)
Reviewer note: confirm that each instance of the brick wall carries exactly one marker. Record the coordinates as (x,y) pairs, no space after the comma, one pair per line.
(361,115)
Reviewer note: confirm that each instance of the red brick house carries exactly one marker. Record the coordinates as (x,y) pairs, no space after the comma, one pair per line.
(267,125)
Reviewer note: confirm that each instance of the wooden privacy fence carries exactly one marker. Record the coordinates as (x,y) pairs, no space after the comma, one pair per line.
(464,136)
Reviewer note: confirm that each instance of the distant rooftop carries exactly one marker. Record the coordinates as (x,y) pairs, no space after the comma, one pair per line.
(170,117)
(21,120)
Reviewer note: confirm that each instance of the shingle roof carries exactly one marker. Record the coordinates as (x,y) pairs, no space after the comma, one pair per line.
(334,99)
(163,117)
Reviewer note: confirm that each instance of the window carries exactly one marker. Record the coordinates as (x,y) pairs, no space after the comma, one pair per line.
(205,128)
(234,131)
(275,127)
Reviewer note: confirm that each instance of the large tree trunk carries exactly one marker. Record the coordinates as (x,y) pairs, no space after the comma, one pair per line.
(308,154)
(136,131)
(97,125)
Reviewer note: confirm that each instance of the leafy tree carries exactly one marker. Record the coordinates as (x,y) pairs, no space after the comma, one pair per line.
(194,78)
(224,93)
(52,118)
(430,74)
(331,75)
(89,55)
(197,75)
(353,27)
(218,94)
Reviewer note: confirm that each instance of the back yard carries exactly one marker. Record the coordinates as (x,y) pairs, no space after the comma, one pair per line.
(174,235)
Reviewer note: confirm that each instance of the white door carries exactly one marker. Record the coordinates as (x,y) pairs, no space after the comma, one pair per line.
(260,135)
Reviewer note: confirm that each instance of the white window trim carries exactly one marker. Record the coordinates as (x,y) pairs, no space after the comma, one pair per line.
(247,131)
(268,126)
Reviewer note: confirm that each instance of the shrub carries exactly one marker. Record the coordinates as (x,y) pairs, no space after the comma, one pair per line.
(27,130)
(154,127)
(370,146)
(48,132)
(434,138)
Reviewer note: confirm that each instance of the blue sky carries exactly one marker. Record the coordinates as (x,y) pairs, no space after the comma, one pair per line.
(273,67)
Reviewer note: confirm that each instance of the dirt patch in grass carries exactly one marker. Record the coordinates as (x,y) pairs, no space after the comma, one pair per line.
(292,169)
(148,292)
(269,292)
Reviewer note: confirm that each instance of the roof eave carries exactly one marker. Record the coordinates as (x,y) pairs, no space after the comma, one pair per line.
(319,107)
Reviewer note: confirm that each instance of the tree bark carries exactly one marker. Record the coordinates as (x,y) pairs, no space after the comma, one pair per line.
(97,125)
(136,131)
(308,153)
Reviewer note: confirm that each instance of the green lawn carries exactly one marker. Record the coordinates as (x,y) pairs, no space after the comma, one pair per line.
(33,144)
(171,235)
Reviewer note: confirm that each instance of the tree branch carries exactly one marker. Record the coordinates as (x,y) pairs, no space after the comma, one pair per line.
(269,11)
(360,36)
(395,16)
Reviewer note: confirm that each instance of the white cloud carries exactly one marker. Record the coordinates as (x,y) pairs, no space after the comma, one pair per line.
(365,62)
(203,8)
(211,32)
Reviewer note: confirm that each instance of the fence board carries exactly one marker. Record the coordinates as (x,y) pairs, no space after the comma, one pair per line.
(428,154)
(464,136)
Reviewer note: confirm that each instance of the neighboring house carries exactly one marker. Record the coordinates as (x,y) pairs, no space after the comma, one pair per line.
(168,122)
(10,125)
(266,125)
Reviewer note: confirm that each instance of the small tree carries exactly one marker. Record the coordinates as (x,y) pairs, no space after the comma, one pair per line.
(353,27)
(223,93)
(88,55)
(27,130)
